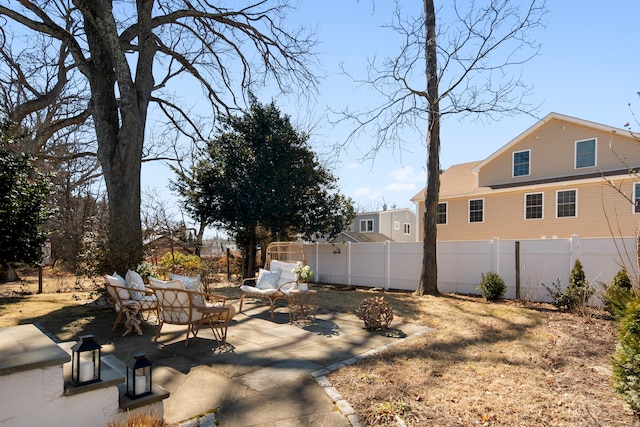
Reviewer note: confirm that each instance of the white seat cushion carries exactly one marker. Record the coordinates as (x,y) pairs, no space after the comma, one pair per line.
(148,302)
(254,290)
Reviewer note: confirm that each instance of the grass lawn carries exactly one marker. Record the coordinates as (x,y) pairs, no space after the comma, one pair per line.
(487,364)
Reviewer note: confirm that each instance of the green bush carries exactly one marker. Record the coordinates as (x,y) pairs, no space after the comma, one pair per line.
(618,295)
(622,280)
(492,287)
(626,362)
(577,294)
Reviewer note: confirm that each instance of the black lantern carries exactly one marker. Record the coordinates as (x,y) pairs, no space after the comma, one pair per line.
(138,377)
(85,361)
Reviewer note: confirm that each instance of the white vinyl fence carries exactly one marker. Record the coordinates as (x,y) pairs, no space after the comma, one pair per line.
(392,265)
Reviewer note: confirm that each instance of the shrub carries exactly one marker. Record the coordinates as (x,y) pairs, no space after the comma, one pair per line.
(577,294)
(178,263)
(626,369)
(622,280)
(618,295)
(492,287)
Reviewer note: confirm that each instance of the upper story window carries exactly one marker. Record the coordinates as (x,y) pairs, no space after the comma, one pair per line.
(476,210)
(521,162)
(533,206)
(407,228)
(566,205)
(586,153)
(441,213)
(366,225)
(636,197)
(396,225)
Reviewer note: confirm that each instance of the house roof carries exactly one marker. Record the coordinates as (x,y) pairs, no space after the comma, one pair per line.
(386,211)
(538,125)
(352,236)
(458,180)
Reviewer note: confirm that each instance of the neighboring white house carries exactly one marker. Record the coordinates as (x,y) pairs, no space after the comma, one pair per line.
(397,225)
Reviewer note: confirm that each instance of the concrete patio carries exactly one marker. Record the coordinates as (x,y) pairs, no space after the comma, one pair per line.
(271,373)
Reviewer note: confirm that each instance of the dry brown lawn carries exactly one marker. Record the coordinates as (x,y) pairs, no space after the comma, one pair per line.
(486,364)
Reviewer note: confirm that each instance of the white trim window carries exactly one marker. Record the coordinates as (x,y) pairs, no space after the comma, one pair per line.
(441,213)
(586,153)
(366,226)
(636,197)
(407,228)
(534,206)
(566,203)
(476,210)
(396,225)
(522,163)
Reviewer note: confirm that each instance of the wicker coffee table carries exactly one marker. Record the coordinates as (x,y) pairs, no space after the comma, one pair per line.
(216,317)
(303,306)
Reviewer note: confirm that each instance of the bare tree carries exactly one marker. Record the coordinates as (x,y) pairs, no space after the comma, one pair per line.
(129,53)
(467,63)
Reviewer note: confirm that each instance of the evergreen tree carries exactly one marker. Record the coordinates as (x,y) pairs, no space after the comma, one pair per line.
(261,172)
(23,207)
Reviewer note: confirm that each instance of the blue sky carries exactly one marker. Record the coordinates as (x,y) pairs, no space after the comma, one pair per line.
(588,68)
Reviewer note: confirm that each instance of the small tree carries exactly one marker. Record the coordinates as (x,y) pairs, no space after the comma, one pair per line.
(577,294)
(619,294)
(626,369)
(23,207)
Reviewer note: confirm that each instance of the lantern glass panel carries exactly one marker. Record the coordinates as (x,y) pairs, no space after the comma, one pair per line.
(85,361)
(138,377)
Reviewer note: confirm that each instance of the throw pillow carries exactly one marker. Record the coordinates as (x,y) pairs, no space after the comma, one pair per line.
(268,279)
(191,284)
(119,281)
(135,284)
(285,267)
(174,284)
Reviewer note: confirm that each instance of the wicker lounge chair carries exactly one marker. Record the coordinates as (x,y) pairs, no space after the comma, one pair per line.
(122,297)
(281,257)
(179,306)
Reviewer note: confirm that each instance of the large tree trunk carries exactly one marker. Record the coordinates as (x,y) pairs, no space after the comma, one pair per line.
(429,274)
(119,120)
(122,177)
(250,255)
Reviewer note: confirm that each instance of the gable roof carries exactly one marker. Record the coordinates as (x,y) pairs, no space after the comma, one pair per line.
(458,180)
(352,236)
(538,125)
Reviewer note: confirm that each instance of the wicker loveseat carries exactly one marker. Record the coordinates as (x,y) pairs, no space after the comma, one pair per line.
(276,280)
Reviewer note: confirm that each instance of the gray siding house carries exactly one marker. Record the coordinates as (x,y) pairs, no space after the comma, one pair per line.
(398,225)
